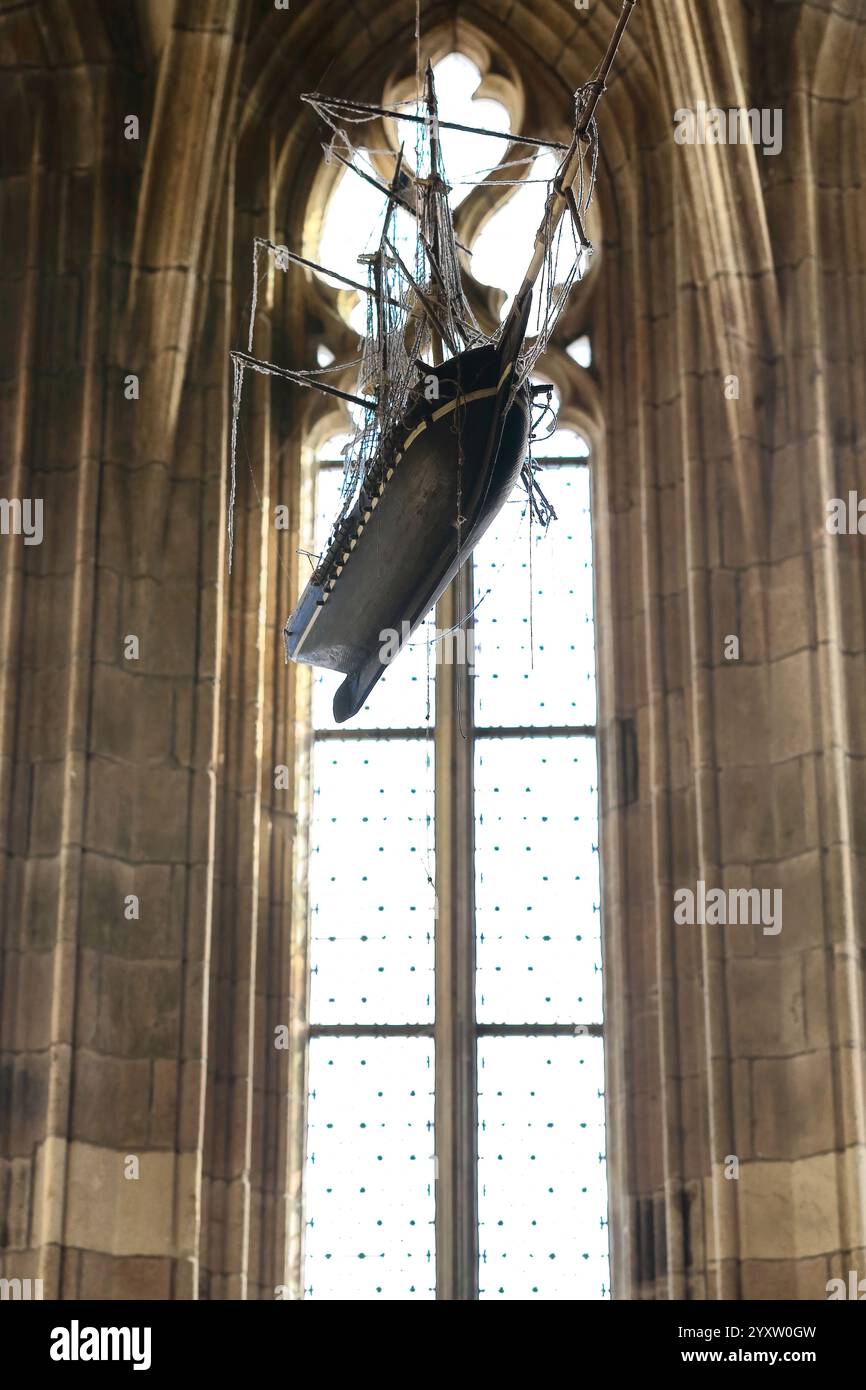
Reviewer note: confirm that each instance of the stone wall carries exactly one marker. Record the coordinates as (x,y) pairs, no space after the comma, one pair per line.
(148,772)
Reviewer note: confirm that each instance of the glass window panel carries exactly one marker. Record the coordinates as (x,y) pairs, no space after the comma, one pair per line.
(369,1172)
(536,881)
(371,902)
(534,635)
(581,351)
(562,444)
(467,158)
(404,698)
(515,224)
(351,227)
(541,1173)
(353,218)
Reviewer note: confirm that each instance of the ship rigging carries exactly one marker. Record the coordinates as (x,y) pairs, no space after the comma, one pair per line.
(445,408)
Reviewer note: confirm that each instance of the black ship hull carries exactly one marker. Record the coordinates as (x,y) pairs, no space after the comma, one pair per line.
(456,455)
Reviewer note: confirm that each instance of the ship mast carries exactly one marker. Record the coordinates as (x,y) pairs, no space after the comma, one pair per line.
(430,226)
(379,262)
(562,194)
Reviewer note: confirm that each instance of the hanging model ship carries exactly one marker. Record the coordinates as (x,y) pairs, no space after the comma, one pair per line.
(447,409)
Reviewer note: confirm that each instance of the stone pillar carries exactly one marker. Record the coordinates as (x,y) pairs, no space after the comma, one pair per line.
(135,968)
(148,774)
(735,1057)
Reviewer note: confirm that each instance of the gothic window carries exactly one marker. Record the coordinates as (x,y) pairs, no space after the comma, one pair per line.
(455,1116)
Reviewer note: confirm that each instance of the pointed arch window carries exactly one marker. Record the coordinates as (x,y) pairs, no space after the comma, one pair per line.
(455,1117)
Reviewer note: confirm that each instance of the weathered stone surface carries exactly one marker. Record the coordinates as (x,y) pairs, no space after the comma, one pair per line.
(150,777)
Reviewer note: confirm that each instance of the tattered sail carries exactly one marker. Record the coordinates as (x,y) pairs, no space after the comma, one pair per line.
(447,409)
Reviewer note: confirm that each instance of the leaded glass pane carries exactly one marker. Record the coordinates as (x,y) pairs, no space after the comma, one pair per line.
(369,1175)
(537,885)
(542,1184)
(534,636)
(369,1171)
(371,882)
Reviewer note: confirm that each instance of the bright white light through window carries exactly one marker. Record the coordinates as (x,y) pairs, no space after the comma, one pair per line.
(542,1180)
(369,1171)
(467,158)
(581,351)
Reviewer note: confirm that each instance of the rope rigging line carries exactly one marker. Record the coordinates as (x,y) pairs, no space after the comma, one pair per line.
(409,312)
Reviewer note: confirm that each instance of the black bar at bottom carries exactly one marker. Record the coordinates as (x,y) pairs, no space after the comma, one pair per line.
(228,1339)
